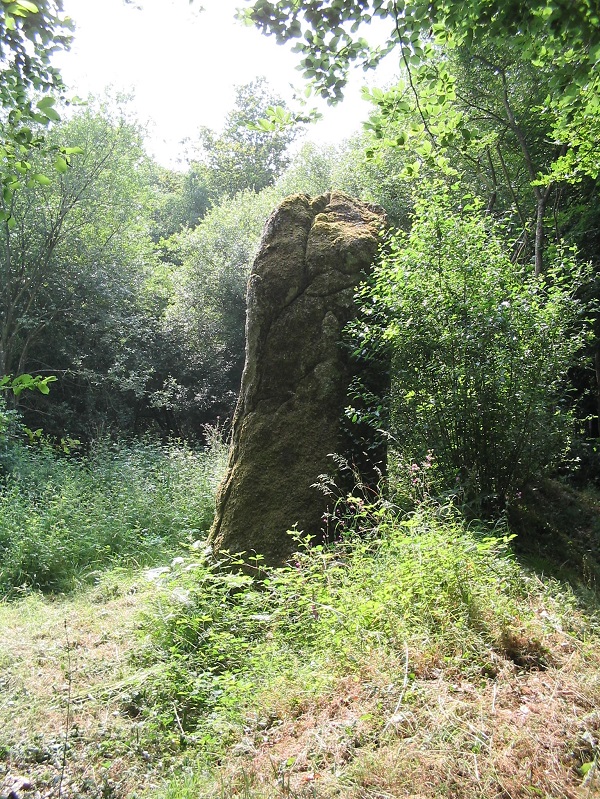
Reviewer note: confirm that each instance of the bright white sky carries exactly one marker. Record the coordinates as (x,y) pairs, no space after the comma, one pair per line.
(182,66)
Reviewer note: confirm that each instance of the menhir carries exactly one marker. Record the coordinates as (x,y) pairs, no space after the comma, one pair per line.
(289,419)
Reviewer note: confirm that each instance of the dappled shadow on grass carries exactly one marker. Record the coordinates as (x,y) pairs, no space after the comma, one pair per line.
(558,533)
(443,731)
(419,660)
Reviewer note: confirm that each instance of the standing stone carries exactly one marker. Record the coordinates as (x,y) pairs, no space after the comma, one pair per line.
(288,419)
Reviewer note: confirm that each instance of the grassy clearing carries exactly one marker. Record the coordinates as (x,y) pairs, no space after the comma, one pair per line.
(417,657)
(67,657)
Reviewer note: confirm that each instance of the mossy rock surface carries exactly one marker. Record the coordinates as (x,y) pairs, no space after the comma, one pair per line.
(313,254)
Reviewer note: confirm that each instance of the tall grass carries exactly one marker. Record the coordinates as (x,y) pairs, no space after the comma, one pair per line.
(62,520)
(427,583)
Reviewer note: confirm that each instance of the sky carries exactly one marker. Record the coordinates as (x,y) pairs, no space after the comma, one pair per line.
(182,66)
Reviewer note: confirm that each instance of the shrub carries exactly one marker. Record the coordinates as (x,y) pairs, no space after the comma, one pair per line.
(480,350)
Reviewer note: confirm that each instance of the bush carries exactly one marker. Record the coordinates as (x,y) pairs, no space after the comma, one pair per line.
(480,350)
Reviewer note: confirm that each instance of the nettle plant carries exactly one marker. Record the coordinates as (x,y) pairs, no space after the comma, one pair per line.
(480,349)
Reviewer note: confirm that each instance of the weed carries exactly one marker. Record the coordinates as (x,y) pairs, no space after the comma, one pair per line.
(68,711)
(64,520)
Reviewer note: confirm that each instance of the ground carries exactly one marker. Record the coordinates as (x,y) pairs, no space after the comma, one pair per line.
(413,728)
(66,667)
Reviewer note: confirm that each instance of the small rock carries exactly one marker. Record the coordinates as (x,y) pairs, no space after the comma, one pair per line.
(13,784)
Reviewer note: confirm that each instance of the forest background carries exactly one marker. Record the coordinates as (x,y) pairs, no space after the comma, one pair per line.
(126,280)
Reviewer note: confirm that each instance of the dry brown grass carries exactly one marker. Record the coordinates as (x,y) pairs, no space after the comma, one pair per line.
(523,733)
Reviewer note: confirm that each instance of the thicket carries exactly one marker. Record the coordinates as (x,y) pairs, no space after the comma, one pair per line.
(480,350)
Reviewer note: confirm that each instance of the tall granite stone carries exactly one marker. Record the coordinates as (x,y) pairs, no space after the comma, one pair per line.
(288,419)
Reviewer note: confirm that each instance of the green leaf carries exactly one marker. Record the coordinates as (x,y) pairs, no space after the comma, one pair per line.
(28,6)
(45,103)
(24,136)
(22,382)
(52,115)
(61,165)
(263,126)
(43,180)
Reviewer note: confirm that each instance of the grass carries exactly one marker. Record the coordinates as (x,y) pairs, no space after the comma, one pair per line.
(420,661)
(416,657)
(62,521)
(66,671)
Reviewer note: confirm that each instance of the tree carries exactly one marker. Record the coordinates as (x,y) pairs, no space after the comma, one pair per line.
(207,310)
(480,349)
(182,199)
(559,37)
(316,170)
(503,95)
(488,128)
(29,34)
(75,262)
(243,156)
(43,250)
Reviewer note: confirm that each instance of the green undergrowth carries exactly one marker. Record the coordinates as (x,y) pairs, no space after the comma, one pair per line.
(64,520)
(428,590)
(377,665)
